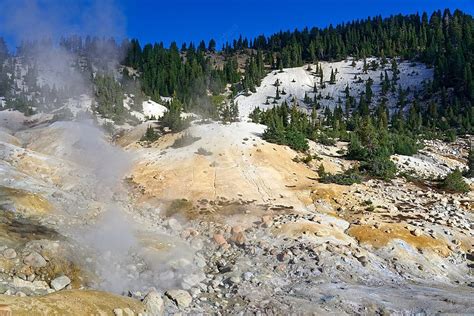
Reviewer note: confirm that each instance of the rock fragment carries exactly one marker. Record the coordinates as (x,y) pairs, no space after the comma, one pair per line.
(35,260)
(181,298)
(60,282)
(153,302)
(9,253)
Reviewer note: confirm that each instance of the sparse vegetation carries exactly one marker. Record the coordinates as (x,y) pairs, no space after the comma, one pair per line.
(454,182)
(185,140)
(172,118)
(203,152)
(229,112)
(150,135)
(347,177)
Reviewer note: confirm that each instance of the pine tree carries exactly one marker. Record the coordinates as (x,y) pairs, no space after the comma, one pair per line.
(332,79)
(470,160)
(172,118)
(212,45)
(150,135)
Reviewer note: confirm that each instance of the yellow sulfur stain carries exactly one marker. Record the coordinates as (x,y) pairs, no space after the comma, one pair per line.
(26,202)
(380,237)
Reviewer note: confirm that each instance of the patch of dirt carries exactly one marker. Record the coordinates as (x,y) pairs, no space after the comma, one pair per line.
(72,302)
(309,229)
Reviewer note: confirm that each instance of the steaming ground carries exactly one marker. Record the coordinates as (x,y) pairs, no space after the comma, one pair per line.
(227,223)
(75,167)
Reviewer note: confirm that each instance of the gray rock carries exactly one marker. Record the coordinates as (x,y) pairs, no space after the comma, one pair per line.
(191,280)
(195,291)
(174,225)
(234,280)
(182,298)
(247,276)
(3,288)
(60,282)
(35,260)
(153,303)
(33,286)
(9,253)
(200,261)
(363,260)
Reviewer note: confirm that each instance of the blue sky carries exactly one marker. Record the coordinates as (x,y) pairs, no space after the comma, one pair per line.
(186,20)
(193,20)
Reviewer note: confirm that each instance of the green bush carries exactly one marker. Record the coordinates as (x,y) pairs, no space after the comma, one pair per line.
(185,140)
(348,177)
(404,145)
(470,163)
(296,140)
(325,140)
(379,167)
(355,149)
(454,182)
(172,118)
(150,135)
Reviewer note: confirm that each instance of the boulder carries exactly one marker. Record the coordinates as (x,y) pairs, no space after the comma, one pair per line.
(153,303)
(181,298)
(174,225)
(118,312)
(9,253)
(33,286)
(219,239)
(35,260)
(417,232)
(239,238)
(192,279)
(60,282)
(267,221)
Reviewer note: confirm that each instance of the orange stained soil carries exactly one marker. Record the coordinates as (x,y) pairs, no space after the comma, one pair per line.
(379,237)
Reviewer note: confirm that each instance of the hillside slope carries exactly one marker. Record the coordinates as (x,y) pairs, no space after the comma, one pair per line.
(297,82)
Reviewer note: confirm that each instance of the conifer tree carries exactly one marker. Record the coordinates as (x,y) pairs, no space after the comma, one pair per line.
(332,79)
(470,160)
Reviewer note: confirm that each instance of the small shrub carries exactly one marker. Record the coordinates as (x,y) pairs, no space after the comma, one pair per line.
(185,140)
(325,140)
(404,145)
(470,162)
(367,202)
(203,152)
(370,208)
(150,135)
(379,167)
(296,140)
(454,182)
(348,177)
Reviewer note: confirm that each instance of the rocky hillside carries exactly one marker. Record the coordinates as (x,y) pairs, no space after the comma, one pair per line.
(215,219)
